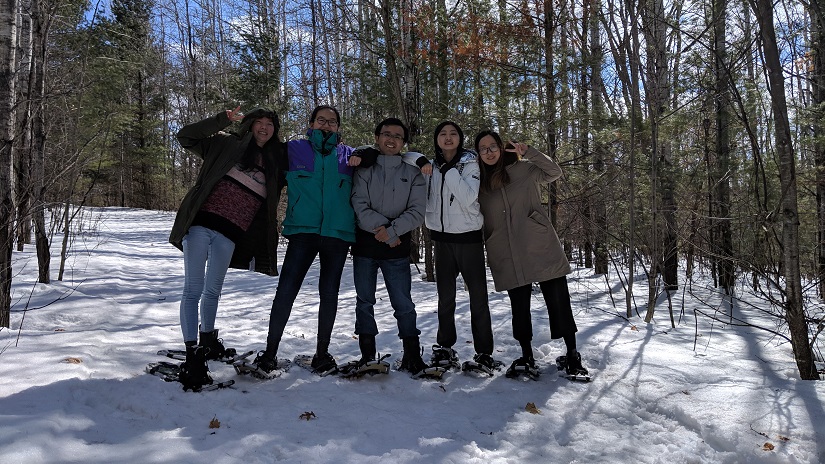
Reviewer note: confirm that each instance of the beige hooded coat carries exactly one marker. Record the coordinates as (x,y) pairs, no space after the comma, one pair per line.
(522,245)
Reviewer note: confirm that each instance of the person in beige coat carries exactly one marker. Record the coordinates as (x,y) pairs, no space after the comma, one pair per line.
(522,245)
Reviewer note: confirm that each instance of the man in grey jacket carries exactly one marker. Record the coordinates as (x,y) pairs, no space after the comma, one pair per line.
(389,200)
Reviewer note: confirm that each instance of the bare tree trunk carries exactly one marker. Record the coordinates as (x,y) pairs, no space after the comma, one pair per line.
(8,46)
(794,309)
(658,87)
(41,22)
(722,188)
(818,95)
(600,265)
(22,148)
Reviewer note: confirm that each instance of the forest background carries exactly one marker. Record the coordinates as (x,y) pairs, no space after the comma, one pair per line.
(690,132)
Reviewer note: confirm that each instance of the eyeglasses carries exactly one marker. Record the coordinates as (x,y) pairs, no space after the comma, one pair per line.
(391,135)
(326,122)
(490,149)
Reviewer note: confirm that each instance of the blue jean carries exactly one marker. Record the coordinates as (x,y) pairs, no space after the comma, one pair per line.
(206,257)
(397,277)
(300,254)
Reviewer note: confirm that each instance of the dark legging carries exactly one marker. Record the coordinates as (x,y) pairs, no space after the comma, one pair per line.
(557,299)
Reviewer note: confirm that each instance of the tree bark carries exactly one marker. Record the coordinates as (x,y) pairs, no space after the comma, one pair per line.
(8,47)
(818,122)
(794,309)
(724,256)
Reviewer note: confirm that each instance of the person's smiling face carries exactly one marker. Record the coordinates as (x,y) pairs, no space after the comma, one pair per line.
(448,139)
(390,140)
(488,150)
(262,130)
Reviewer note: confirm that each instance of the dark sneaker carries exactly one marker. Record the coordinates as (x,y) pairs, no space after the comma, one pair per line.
(324,364)
(444,356)
(523,366)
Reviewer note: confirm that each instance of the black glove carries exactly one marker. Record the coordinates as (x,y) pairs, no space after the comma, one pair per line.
(368,155)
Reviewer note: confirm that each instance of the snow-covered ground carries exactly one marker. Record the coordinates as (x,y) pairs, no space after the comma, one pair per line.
(73,387)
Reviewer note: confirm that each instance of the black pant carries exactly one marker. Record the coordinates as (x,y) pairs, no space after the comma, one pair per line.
(300,254)
(557,300)
(467,259)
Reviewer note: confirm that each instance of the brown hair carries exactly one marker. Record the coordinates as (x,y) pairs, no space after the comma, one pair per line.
(495,177)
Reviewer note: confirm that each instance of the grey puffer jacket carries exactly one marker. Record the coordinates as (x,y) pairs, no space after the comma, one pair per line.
(393,194)
(522,245)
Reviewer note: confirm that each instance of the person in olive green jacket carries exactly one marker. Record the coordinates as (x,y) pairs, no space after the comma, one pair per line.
(522,245)
(229,217)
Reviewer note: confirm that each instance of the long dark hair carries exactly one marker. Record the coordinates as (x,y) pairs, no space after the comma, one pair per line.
(495,177)
(438,129)
(270,151)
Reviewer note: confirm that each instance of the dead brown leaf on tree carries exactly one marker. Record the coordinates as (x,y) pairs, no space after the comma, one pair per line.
(532,409)
(307,415)
(72,360)
(215,423)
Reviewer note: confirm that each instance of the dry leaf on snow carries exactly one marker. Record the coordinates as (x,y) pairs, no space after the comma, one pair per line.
(307,415)
(73,360)
(215,423)
(532,409)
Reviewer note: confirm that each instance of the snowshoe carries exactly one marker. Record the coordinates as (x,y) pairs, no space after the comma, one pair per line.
(263,367)
(322,366)
(181,355)
(571,367)
(444,357)
(170,372)
(364,366)
(523,367)
(482,363)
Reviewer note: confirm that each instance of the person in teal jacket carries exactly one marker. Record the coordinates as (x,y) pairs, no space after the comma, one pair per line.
(319,222)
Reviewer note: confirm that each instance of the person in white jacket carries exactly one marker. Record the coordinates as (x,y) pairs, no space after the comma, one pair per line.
(454,221)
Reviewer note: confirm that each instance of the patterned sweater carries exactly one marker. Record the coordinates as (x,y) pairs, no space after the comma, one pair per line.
(234,202)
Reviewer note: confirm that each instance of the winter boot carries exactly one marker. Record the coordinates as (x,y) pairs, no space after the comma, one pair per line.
(367,345)
(214,346)
(324,364)
(412,362)
(194,372)
(574,365)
